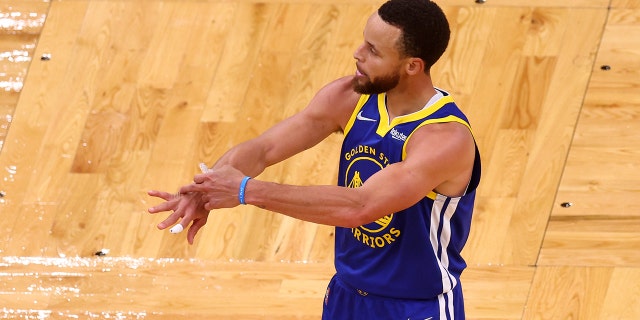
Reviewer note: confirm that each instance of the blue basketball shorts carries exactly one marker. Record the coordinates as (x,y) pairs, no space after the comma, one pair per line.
(343,302)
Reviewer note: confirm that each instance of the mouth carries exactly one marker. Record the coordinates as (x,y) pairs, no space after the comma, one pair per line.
(359,73)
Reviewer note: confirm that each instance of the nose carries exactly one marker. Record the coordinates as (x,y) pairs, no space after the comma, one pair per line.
(358,53)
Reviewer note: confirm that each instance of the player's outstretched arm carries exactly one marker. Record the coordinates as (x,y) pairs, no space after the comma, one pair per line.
(327,113)
(439,157)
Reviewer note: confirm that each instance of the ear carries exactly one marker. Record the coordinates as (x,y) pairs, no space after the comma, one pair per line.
(415,66)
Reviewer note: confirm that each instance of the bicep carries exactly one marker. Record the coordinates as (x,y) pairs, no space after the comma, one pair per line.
(325,114)
(439,156)
(291,136)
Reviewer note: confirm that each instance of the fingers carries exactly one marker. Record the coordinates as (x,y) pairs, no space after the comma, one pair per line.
(188,207)
(177,228)
(195,227)
(170,220)
(182,217)
(160,208)
(200,178)
(161,194)
(194,187)
(165,206)
(171,201)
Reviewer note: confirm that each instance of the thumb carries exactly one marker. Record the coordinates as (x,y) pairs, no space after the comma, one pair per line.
(200,178)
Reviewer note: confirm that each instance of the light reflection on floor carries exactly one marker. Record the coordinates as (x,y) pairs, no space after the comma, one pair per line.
(102,287)
(43,281)
(20,26)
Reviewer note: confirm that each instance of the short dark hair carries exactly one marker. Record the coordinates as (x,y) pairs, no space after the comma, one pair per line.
(425,29)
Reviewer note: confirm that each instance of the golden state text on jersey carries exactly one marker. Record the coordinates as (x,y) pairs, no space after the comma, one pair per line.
(363,161)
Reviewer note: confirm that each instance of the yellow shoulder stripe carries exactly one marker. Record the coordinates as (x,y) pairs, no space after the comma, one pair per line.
(363,99)
(386,125)
(450,118)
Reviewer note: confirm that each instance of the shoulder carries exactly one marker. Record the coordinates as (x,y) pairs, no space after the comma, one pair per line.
(339,91)
(447,136)
(336,99)
(447,151)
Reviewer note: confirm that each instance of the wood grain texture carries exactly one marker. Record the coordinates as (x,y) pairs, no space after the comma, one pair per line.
(137,93)
(21,26)
(601,175)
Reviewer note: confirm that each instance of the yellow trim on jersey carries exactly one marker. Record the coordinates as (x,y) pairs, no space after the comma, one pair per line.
(450,118)
(386,125)
(363,99)
(384,115)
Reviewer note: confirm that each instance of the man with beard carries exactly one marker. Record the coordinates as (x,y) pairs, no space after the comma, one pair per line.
(409,168)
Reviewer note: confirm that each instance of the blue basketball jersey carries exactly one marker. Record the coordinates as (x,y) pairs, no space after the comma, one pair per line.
(413,253)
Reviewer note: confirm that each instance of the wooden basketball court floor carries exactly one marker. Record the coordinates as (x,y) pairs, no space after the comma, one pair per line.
(102,100)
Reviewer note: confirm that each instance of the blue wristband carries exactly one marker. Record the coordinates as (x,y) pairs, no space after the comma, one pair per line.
(243,187)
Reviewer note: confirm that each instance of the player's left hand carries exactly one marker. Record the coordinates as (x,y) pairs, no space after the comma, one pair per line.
(188,209)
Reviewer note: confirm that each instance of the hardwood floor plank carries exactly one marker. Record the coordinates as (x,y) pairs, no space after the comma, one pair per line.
(496,292)
(29,125)
(137,93)
(239,58)
(600,179)
(568,293)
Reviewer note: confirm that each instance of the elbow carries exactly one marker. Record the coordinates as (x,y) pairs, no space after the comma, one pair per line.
(351,223)
(357,217)
(359,211)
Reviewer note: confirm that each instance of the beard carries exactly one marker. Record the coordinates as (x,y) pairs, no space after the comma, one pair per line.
(376,86)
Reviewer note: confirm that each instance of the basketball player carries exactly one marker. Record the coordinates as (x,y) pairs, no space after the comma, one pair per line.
(409,168)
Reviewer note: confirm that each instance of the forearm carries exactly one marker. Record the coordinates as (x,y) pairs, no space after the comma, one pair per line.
(329,205)
(327,113)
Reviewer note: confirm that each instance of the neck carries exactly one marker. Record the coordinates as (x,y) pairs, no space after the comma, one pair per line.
(409,96)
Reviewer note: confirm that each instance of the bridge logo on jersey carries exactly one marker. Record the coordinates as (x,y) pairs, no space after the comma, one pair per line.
(363,163)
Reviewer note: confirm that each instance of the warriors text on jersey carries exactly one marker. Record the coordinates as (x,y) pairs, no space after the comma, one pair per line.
(413,253)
